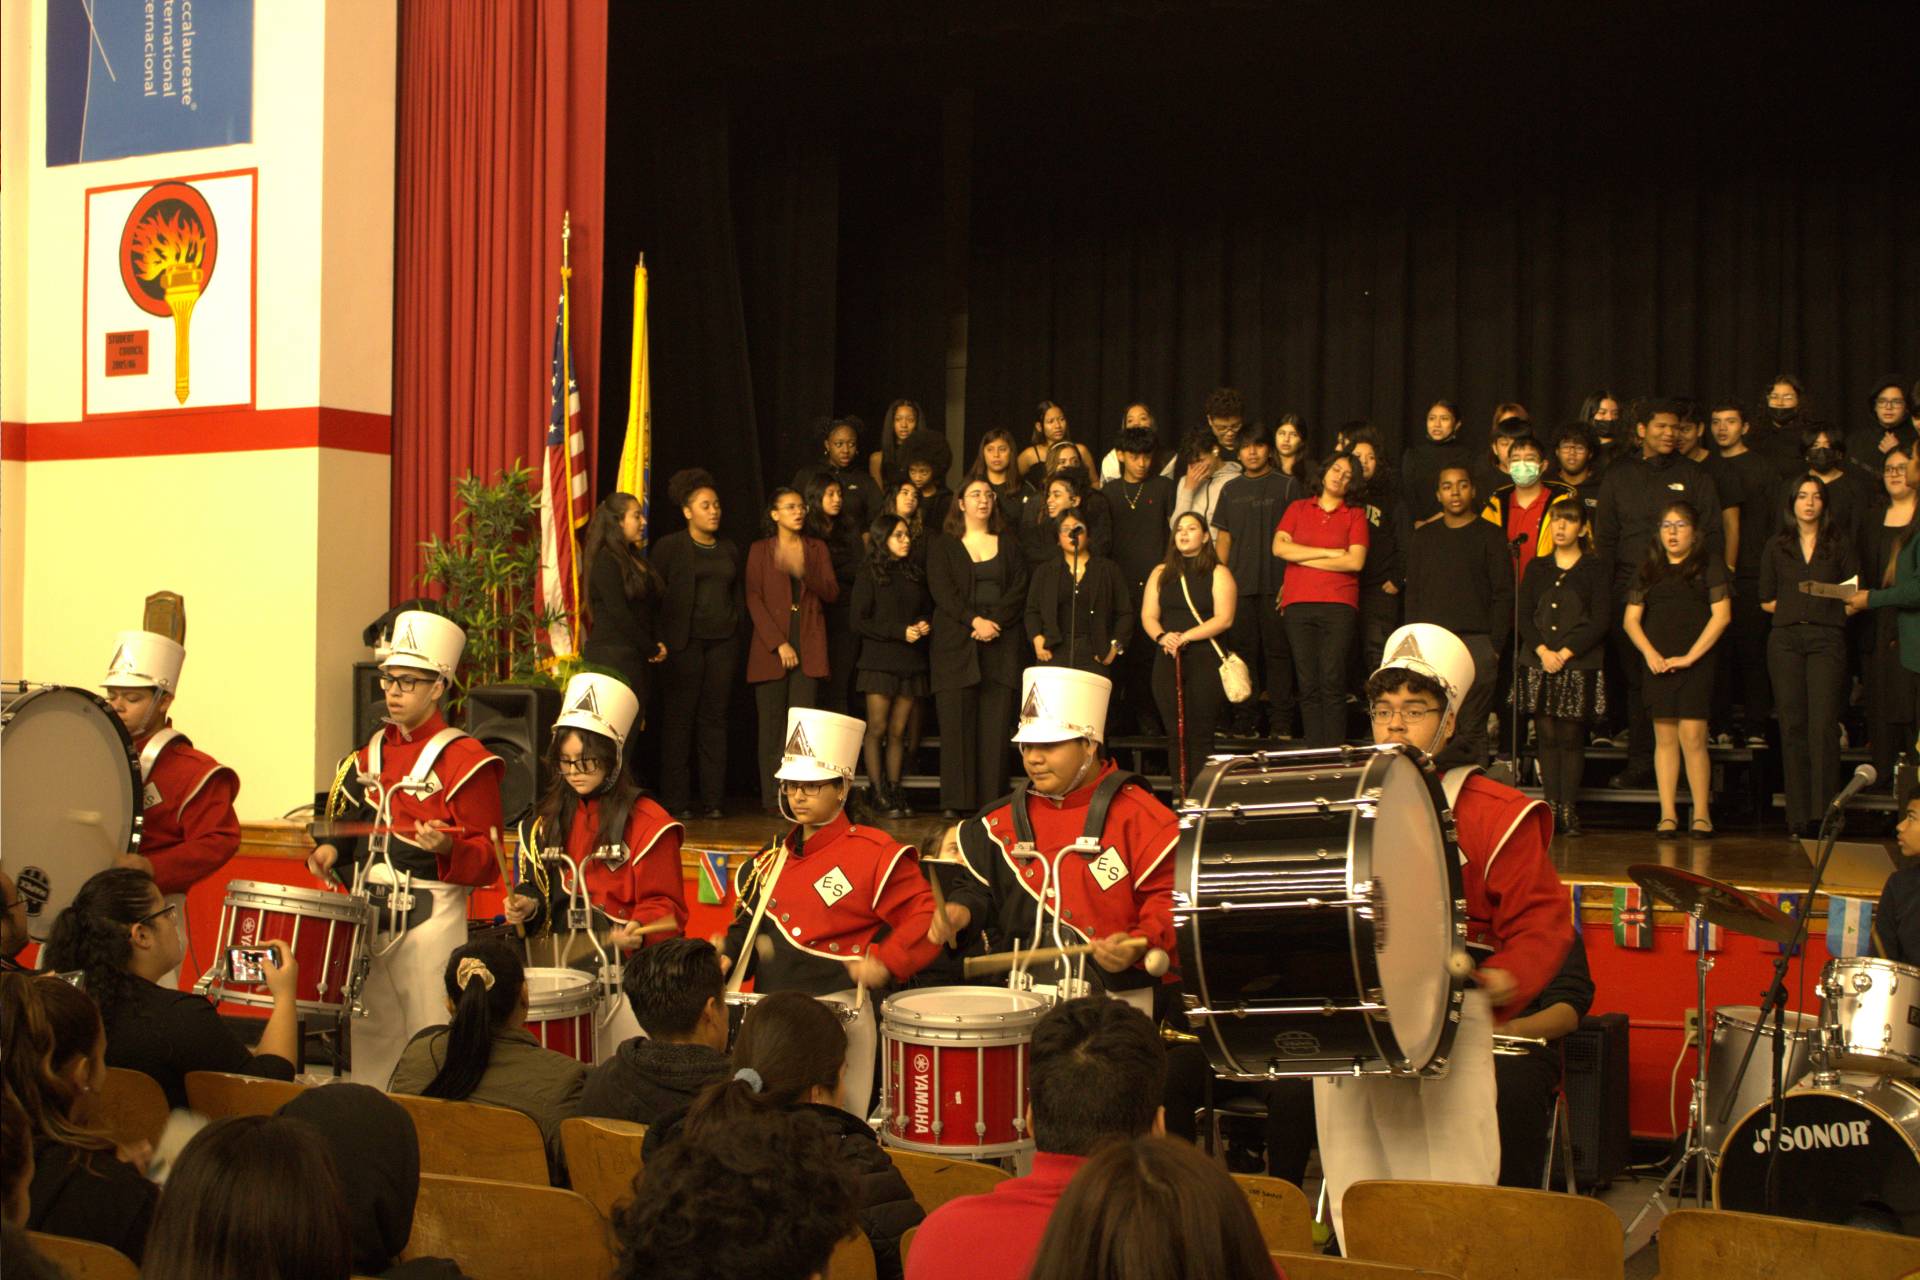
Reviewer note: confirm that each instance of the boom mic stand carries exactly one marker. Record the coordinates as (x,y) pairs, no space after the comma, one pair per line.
(1514,546)
(1073,572)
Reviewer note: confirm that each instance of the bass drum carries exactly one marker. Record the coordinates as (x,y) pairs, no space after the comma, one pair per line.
(69,794)
(1849,1154)
(1317,900)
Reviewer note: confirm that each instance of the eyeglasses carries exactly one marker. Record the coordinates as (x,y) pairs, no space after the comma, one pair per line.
(1674,526)
(151,916)
(809,789)
(406,684)
(581,764)
(1412,717)
(1890,402)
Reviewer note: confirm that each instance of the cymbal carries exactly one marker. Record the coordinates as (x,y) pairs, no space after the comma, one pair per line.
(1720,902)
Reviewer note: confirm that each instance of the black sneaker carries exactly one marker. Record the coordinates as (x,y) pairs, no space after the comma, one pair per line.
(1631,779)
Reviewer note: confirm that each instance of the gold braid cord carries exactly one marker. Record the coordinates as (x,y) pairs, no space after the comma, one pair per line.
(529,865)
(746,882)
(338,801)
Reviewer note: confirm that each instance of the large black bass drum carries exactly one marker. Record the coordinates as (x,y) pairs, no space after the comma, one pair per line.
(1849,1153)
(69,794)
(1318,901)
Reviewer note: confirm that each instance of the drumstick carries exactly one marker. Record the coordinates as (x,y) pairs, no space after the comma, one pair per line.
(87,817)
(330,829)
(1010,959)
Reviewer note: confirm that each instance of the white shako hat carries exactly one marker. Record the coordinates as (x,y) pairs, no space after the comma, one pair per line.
(1059,704)
(144,660)
(599,704)
(425,640)
(1432,651)
(821,745)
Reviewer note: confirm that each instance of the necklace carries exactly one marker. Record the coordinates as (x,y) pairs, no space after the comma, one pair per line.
(1133,499)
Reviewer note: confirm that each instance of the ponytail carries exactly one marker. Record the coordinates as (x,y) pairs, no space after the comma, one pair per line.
(485,981)
(92,935)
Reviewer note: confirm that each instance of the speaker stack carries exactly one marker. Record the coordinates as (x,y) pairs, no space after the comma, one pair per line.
(514,722)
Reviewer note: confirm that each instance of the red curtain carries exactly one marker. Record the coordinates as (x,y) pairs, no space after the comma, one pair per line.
(502,129)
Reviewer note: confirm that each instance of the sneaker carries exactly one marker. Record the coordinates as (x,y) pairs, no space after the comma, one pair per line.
(1600,740)
(1756,740)
(1631,779)
(1722,739)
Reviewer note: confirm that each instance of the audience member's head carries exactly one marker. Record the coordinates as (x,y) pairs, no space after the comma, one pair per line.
(372,1137)
(924,458)
(1823,446)
(52,1054)
(1098,1069)
(677,992)
(1526,459)
(117,930)
(1136,453)
(1066,489)
(840,441)
(764,1197)
(1137,415)
(1443,421)
(252,1198)
(1908,830)
(1727,420)
(486,985)
(1050,424)
(1573,450)
(996,454)
(1784,398)
(1337,476)
(16,1159)
(1601,410)
(1226,410)
(694,492)
(1153,1208)
(1454,487)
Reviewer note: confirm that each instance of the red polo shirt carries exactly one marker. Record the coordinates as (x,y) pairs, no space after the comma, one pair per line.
(996,1234)
(1312,525)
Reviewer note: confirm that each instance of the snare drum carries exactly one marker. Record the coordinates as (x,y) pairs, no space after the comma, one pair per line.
(954,1070)
(615,1023)
(1871,1015)
(856,1080)
(1317,899)
(1733,1027)
(326,933)
(560,1011)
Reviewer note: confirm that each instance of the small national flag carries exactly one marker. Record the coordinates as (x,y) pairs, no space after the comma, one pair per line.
(1632,921)
(1573,894)
(1789,904)
(1849,926)
(1699,932)
(713,878)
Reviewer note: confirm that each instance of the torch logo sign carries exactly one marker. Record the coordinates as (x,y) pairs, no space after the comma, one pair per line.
(168,249)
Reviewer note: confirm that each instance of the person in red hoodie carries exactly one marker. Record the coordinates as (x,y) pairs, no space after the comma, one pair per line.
(1446,1128)
(188,828)
(1097,1069)
(435,794)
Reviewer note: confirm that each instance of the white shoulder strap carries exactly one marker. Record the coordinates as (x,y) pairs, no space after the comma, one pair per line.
(1454,779)
(150,753)
(420,776)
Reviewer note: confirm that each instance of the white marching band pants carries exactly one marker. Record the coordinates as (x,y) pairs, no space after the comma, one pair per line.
(406,989)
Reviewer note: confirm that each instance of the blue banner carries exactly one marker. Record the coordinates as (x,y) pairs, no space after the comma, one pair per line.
(139,77)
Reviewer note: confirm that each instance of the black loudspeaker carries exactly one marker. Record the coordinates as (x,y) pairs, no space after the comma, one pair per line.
(514,721)
(1596,1057)
(369,704)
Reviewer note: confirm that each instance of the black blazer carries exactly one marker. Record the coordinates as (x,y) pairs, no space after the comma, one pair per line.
(621,626)
(958,660)
(882,612)
(1568,610)
(673,560)
(1050,599)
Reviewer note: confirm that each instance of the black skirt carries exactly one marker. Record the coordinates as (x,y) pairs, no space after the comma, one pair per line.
(891,683)
(1680,695)
(1566,694)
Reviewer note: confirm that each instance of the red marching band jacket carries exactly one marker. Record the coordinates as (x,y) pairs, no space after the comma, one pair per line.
(189,829)
(641,883)
(464,793)
(1126,888)
(1517,908)
(836,893)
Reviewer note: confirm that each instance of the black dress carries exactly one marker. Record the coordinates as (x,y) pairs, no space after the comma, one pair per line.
(1565,609)
(1198,700)
(1675,610)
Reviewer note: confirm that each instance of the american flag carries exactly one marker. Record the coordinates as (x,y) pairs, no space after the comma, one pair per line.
(563,506)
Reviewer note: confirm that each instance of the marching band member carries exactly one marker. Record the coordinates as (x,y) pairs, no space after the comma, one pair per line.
(626,846)
(433,795)
(1447,1128)
(1089,842)
(189,829)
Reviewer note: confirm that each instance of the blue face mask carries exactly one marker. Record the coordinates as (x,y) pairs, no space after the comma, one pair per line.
(1526,472)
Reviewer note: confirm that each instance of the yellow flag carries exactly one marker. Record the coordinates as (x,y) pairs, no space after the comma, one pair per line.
(636,451)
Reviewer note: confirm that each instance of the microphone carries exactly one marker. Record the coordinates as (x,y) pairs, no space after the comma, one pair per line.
(1862,778)
(1518,541)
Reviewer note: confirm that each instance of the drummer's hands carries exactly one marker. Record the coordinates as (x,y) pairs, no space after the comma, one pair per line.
(432,836)
(321,860)
(1116,952)
(520,908)
(134,862)
(868,972)
(719,941)
(282,970)
(1497,983)
(946,925)
(628,936)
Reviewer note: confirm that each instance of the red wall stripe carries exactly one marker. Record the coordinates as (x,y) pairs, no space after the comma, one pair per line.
(237,430)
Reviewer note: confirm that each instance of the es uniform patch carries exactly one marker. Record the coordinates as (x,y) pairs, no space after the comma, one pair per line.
(1107,869)
(833,886)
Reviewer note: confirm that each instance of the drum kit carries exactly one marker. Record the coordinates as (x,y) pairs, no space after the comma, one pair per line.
(1842,1143)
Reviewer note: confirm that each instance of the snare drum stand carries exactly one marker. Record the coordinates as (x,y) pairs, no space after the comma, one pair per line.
(1696,1148)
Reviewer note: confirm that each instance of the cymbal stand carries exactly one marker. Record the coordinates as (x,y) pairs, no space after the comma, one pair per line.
(1696,1150)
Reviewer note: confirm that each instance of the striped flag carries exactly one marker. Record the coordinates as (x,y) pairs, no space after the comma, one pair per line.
(1790,904)
(1849,926)
(636,451)
(1574,898)
(1698,932)
(564,493)
(1632,921)
(713,878)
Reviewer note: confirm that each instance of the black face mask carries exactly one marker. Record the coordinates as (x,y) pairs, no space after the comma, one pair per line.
(1782,415)
(1820,458)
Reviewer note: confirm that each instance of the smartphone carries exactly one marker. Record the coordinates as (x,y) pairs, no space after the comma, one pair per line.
(246,964)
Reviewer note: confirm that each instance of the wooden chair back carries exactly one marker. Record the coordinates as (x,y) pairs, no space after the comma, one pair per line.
(603,1158)
(483,1225)
(474,1140)
(1713,1244)
(1282,1210)
(906,1243)
(938,1179)
(1317,1266)
(83,1259)
(131,1106)
(218,1094)
(1483,1233)
(852,1259)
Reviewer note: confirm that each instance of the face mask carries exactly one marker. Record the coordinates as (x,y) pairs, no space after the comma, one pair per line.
(1820,458)
(1524,473)
(1779,414)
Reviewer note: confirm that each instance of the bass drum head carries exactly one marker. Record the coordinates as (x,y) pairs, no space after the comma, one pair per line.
(1847,1156)
(1408,863)
(69,796)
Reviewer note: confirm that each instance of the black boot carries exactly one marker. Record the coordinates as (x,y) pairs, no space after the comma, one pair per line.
(1567,820)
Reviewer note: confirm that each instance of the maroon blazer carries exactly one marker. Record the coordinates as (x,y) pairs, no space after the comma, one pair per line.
(770,602)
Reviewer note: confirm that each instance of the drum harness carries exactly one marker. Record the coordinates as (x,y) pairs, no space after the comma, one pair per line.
(386,887)
(573,883)
(1073,981)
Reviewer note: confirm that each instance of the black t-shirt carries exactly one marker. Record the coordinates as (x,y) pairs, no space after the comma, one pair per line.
(713,612)
(167,1033)
(1249,510)
(1748,480)
(1140,531)
(1896,923)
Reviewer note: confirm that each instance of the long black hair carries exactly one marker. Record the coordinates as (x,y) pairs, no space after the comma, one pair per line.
(637,578)
(1656,566)
(978,471)
(769,528)
(880,561)
(482,1004)
(1380,487)
(617,794)
(93,935)
(829,529)
(890,443)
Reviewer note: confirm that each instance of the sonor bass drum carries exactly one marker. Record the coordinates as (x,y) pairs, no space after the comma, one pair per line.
(1317,900)
(1849,1153)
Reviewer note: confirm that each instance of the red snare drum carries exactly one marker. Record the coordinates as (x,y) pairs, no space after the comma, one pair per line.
(560,1011)
(326,933)
(955,1063)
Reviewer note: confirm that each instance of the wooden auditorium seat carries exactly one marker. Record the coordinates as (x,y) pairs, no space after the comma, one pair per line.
(217,1094)
(852,1259)
(1483,1233)
(906,1243)
(474,1140)
(132,1106)
(1281,1209)
(83,1259)
(935,1180)
(1317,1266)
(1715,1244)
(508,1230)
(603,1158)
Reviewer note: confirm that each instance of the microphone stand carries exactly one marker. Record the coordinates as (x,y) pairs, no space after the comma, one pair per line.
(1073,572)
(1513,549)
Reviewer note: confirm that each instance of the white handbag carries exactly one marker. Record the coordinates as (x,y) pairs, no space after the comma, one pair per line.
(1235,680)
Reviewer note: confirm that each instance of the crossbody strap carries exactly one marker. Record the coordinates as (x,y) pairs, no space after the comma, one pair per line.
(1196,617)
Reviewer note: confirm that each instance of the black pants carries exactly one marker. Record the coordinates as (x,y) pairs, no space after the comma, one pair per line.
(975,725)
(771,698)
(1563,758)
(698,678)
(1808,663)
(1259,635)
(1744,682)
(1379,615)
(843,652)
(1320,636)
(1633,673)
(1528,1084)
(1133,689)
(1200,678)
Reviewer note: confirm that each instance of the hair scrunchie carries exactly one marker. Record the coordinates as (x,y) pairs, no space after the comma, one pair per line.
(473,967)
(752,1077)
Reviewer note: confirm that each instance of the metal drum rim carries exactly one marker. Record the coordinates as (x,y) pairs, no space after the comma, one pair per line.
(1860,1086)
(344,908)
